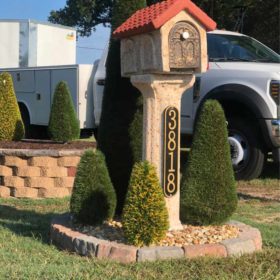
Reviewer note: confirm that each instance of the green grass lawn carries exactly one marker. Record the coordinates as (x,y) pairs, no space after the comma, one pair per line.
(26,254)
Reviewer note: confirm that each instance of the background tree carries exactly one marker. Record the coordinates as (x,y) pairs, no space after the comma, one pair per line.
(261,20)
(83,14)
(118,108)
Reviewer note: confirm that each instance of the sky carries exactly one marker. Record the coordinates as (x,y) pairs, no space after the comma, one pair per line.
(88,48)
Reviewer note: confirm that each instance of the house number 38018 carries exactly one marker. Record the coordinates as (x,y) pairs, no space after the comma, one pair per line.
(171,149)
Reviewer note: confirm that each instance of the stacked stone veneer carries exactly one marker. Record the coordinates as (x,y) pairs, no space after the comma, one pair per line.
(37,173)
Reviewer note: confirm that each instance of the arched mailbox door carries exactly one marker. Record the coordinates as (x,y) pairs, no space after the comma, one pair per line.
(184,47)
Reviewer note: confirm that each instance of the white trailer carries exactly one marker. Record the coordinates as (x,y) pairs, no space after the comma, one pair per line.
(35,86)
(31,43)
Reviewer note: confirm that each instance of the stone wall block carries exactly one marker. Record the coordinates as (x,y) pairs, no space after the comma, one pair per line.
(159,253)
(86,245)
(212,250)
(253,234)
(27,171)
(22,192)
(238,247)
(39,182)
(5,192)
(5,171)
(146,254)
(123,253)
(68,161)
(103,250)
(164,253)
(64,182)
(14,161)
(54,172)
(53,192)
(13,181)
(71,171)
(43,161)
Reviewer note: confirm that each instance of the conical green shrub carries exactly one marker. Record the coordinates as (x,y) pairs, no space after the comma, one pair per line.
(63,123)
(11,124)
(93,198)
(208,189)
(145,217)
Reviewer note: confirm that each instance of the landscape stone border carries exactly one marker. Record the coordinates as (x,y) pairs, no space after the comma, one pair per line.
(61,235)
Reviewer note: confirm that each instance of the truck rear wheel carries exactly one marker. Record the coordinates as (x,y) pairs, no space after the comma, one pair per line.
(247,152)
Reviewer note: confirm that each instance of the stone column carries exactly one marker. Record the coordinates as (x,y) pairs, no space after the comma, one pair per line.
(160,92)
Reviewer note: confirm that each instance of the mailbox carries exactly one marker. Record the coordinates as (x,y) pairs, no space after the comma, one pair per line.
(162,47)
(165,38)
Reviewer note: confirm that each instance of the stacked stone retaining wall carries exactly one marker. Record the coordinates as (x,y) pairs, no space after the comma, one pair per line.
(37,173)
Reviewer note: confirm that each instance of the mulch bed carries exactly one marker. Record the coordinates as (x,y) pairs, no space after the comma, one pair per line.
(46,145)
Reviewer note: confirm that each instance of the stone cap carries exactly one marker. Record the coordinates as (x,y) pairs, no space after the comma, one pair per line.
(155,16)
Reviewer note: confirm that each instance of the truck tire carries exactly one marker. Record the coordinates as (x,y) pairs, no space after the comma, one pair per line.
(247,151)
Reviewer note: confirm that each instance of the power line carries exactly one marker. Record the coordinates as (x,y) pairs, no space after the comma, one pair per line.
(90,48)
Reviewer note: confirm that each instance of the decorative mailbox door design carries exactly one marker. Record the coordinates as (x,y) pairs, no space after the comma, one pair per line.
(184,47)
(171,150)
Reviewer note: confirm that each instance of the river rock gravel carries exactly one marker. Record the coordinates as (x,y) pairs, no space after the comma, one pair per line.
(189,235)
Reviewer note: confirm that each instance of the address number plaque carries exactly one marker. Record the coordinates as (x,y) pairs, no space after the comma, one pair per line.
(171,150)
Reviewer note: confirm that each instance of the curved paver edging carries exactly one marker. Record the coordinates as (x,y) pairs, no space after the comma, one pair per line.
(248,241)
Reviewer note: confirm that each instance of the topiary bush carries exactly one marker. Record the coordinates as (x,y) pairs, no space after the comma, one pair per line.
(93,198)
(63,123)
(11,124)
(145,217)
(208,189)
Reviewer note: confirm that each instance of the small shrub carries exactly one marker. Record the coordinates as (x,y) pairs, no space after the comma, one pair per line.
(11,125)
(63,124)
(145,217)
(93,198)
(208,189)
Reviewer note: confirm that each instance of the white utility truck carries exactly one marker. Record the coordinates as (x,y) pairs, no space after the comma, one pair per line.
(243,74)
(38,56)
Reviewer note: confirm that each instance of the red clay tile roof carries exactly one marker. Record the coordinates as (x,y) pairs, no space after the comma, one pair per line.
(155,16)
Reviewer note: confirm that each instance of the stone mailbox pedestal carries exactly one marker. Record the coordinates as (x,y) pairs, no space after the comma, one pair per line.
(162,47)
(162,92)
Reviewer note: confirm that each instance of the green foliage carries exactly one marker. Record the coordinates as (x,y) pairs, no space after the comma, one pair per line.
(145,217)
(118,109)
(11,125)
(63,124)
(208,191)
(93,199)
(259,18)
(136,132)
(84,15)
(261,15)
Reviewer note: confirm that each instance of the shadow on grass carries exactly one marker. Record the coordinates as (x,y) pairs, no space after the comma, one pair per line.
(26,223)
